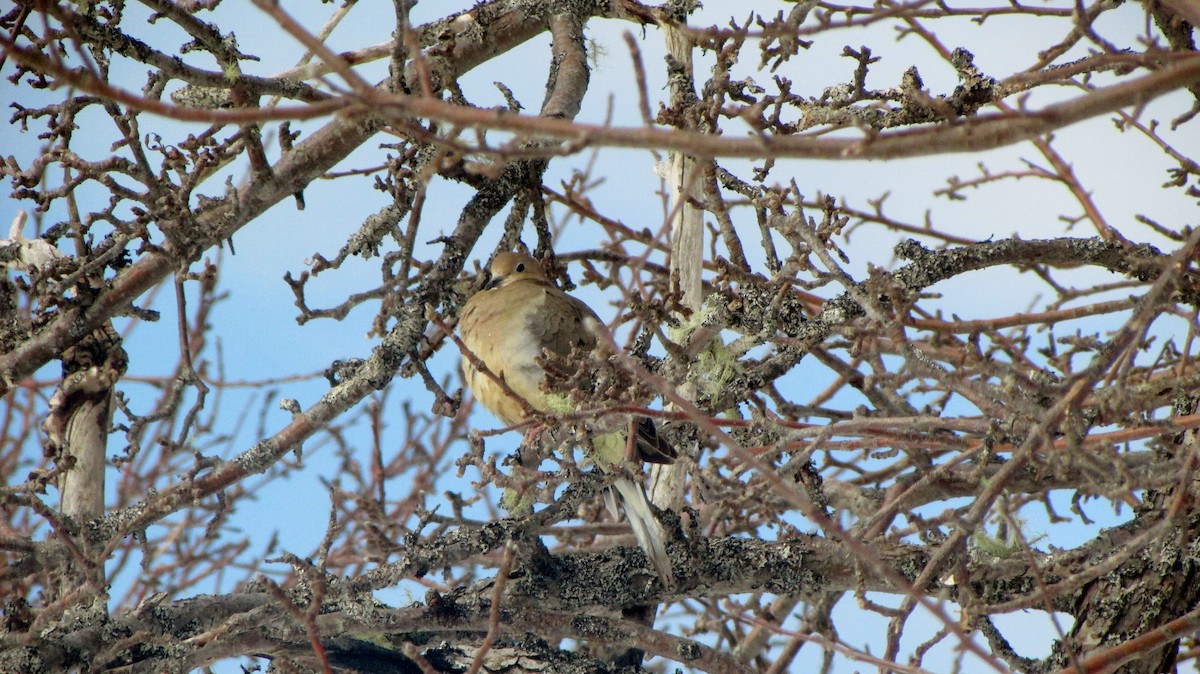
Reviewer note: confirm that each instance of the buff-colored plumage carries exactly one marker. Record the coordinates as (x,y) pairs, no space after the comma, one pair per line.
(510,325)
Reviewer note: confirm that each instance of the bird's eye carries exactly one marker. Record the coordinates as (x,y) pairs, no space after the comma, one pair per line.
(521,267)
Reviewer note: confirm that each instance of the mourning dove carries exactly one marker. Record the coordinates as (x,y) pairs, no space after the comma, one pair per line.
(511,325)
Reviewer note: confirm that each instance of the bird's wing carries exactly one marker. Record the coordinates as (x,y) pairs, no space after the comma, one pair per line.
(563,323)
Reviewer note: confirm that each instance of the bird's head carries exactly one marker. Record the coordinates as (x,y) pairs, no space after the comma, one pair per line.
(511,267)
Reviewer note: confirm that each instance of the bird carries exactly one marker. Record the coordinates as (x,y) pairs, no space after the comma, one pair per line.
(510,327)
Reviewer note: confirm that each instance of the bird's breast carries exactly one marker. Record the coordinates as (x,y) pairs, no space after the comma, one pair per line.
(501,333)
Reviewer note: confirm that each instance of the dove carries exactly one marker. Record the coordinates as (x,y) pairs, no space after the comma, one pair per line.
(510,327)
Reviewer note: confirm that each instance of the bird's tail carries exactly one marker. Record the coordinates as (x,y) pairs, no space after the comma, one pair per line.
(646,527)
